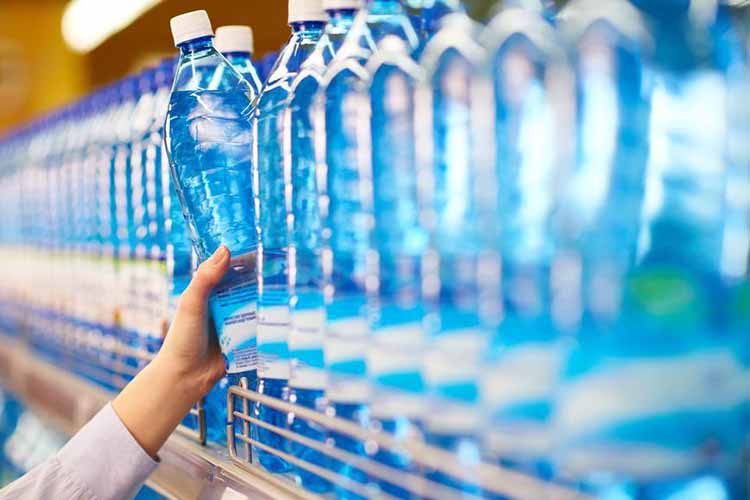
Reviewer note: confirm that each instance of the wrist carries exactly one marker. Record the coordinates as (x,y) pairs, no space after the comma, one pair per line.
(183,383)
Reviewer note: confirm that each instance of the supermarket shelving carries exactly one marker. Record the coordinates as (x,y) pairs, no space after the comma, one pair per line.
(189,470)
(186,470)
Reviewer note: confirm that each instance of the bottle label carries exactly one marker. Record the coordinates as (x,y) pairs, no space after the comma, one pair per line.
(451,371)
(394,358)
(345,348)
(273,326)
(306,349)
(710,381)
(234,309)
(404,341)
(453,358)
(521,375)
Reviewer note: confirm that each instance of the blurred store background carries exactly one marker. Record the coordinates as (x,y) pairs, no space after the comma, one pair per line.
(53,51)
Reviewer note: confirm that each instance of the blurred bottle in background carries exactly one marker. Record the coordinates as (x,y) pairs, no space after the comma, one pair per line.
(137,270)
(432,14)
(531,89)
(342,145)
(306,18)
(598,217)
(652,292)
(396,244)
(307,370)
(122,234)
(735,256)
(454,175)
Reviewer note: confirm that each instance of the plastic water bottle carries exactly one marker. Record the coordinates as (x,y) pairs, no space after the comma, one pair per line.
(655,330)
(735,261)
(236,44)
(208,138)
(156,181)
(306,18)
(176,237)
(397,243)
(341,108)
(140,293)
(601,202)
(431,15)
(453,168)
(86,264)
(519,378)
(265,64)
(121,218)
(307,376)
(173,235)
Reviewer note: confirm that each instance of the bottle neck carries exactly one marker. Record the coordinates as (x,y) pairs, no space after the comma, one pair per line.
(307,29)
(385,7)
(238,55)
(432,16)
(196,45)
(341,18)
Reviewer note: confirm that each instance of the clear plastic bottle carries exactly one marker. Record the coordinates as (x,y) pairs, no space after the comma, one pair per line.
(236,44)
(306,18)
(530,85)
(307,370)
(208,137)
(655,329)
(265,64)
(450,152)
(156,167)
(431,15)
(139,287)
(122,212)
(736,241)
(341,108)
(397,242)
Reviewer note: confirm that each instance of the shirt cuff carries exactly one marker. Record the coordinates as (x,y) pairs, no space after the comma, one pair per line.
(104,456)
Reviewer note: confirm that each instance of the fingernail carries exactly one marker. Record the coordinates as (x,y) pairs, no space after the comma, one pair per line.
(220,254)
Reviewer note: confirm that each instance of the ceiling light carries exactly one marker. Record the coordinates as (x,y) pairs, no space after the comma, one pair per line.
(87,23)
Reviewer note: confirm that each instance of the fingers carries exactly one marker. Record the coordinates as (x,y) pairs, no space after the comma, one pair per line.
(208,275)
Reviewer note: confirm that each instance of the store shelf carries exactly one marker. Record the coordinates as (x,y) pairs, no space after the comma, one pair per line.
(186,471)
(190,471)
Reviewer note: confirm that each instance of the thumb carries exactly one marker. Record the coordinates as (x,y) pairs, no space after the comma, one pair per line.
(207,276)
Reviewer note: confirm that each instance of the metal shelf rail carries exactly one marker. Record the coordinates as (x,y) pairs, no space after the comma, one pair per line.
(186,470)
(490,479)
(108,360)
(191,469)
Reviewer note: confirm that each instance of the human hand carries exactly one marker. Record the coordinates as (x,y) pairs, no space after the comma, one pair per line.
(186,368)
(188,350)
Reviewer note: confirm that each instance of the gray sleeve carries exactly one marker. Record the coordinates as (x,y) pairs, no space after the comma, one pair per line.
(102,461)
(47,480)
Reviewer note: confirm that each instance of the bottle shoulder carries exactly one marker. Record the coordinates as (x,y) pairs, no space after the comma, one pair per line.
(458,38)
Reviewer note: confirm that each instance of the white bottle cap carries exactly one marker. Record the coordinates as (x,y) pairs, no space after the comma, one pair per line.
(306,10)
(190,26)
(342,4)
(234,39)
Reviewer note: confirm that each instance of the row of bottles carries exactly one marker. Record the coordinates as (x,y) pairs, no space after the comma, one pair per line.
(504,298)
(86,239)
(525,241)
